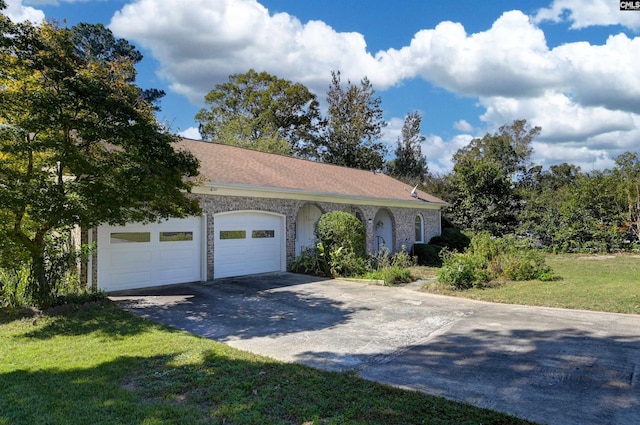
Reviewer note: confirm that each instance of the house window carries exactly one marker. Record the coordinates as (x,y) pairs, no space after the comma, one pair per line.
(130,237)
(233,234)
(176,236)
(419,229)
(261,234)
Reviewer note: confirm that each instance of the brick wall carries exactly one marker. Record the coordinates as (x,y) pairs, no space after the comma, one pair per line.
(403,220)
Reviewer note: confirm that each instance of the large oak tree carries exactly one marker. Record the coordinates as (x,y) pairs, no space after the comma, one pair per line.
(261,111)
(486,173)
(79,146)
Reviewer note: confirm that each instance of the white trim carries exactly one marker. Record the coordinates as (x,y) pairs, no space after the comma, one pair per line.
(203,249)
(421,227)
(90,260)
(233,189)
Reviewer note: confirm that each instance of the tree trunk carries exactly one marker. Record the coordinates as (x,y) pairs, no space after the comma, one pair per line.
(39,286)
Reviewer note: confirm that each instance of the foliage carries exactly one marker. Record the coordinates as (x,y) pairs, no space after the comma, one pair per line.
(60,270)
(392,269)
(484,175)
(263,112)
(354,126)
(339,229)
(427,254)
(13,287)
(312,261)
(345,262)
(463,271)
(491,258)
(409,164)
(566,210)
(452,238)
(627,172)
(95,42)
(79,147)
(588,282)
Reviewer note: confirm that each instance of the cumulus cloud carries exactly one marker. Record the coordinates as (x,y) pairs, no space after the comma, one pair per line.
(191,133)
(587,13)
(200,45)
(511,58)
(579,93)
(18,12)
(463,126)
(439,152)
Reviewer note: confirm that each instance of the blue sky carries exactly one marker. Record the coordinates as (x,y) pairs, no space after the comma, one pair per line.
(571,67)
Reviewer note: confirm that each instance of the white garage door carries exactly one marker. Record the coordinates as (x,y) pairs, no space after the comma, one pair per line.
(248,242)
(139,256)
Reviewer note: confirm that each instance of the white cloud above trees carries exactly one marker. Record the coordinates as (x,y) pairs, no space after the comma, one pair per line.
(583,95)
(18,12)
(587,13)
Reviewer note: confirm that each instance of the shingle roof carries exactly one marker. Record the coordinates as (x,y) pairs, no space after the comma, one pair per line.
(226,164)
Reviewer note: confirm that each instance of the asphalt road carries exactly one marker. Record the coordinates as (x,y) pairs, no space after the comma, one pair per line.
(554,366)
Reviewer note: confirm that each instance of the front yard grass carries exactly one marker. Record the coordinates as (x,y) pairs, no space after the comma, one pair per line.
(101,365)
(587,282)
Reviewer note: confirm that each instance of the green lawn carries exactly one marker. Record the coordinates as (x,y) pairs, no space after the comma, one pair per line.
(101,365)
(588,282)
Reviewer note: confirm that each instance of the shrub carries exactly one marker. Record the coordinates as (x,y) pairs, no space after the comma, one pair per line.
(427,255)
(490,258)
(312,261)
(394,275)
(525,265)
(451,238)
(344,262)
(392,269)
(341,229)
(13,284)
(463,271)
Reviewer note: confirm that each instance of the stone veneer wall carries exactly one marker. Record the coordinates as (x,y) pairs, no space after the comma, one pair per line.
(403,220)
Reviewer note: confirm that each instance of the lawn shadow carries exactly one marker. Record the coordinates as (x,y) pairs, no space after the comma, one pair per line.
(217,388)
(563,377)
(239,308)
(102,318)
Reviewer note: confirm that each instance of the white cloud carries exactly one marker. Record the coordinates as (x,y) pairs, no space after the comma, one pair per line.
(604,75)
(439,152)
(191,133)
(18,12)
(463,126)
(579,93)
(586,158)
(511,58)
(586,13)
(200,45)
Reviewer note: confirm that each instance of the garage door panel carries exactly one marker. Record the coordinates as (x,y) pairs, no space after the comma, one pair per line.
(175,274)
(125,280)
(119,259)
(247,242)
(169,252)
(176,255)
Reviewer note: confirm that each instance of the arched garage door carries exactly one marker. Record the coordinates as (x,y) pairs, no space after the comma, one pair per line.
(248,242)
(140,256)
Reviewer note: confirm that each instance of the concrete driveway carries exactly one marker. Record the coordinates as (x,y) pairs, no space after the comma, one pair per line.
(554,366)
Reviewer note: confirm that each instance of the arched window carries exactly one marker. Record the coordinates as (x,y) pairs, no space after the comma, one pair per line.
(419,229)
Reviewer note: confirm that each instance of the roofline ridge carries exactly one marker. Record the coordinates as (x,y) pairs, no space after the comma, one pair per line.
(285,156)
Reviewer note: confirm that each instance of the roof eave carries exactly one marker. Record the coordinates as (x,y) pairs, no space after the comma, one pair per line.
(239,189)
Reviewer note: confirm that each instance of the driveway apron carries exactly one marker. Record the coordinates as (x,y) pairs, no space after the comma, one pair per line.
(554,366)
